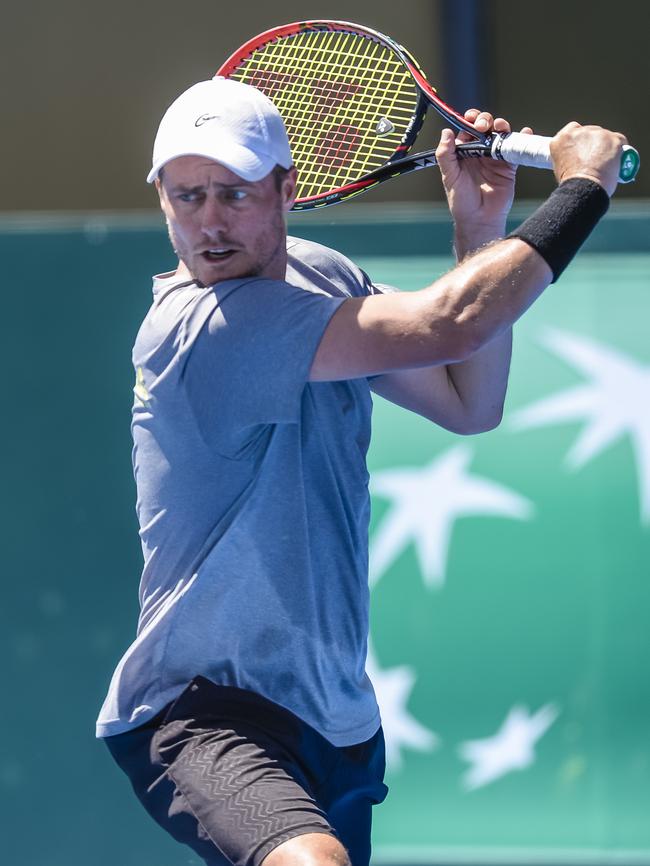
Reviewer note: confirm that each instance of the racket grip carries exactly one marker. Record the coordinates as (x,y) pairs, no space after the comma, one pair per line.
(534,151)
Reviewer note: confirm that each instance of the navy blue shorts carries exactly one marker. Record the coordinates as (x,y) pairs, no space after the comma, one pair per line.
(233,775)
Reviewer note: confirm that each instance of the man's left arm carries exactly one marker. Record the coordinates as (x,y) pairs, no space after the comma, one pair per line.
(467,397)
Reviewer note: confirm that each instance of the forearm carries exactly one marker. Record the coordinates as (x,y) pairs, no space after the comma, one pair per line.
(471,236)
(472,308)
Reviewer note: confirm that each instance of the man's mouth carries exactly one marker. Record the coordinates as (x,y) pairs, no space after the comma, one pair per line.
(217,254)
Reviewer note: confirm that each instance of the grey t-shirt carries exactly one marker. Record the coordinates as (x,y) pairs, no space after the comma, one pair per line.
(252,497)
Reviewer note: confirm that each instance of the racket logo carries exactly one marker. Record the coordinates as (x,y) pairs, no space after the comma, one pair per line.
(630,162)
(384,127)
(325,95)
(336,147)
(330,94)
(424,161)
(270,82)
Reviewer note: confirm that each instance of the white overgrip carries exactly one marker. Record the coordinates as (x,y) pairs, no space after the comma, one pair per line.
(534,150)
(521,149)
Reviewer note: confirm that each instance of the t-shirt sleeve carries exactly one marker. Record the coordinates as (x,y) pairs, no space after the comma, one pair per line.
(314,262)
(250,361)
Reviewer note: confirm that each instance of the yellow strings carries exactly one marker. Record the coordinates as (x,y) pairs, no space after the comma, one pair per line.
(332,89)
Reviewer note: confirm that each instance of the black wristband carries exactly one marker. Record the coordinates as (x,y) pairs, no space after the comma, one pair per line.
(561,225)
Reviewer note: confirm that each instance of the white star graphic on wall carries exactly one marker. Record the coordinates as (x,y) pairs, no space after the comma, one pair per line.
(614,402)
(511,748)
(393,687)
(425,503)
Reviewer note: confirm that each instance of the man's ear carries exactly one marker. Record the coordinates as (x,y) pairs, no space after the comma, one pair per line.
(289,188)
(161,193)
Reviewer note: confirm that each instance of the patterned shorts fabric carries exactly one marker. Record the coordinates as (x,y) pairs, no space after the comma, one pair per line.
(233,775)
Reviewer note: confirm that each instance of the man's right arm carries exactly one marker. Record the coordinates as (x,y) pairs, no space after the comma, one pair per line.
(472,304)
(443,324)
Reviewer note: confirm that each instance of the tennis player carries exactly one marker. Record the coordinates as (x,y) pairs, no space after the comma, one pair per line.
(242,713)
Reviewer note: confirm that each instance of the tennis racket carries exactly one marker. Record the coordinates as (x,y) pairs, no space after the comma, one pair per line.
(353,102)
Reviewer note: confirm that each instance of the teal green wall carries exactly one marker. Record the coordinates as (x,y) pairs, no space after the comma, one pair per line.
(547,609)
(542,600)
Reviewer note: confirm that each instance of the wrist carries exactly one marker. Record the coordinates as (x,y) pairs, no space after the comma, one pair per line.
(470,236)
(560,226)
(585,175)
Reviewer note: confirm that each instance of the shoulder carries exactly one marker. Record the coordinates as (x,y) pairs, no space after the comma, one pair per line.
(310,262)
(317,254)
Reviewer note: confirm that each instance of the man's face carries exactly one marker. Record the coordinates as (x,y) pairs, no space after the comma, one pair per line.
(223,227)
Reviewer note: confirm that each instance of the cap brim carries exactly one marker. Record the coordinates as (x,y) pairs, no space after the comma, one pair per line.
(243,162)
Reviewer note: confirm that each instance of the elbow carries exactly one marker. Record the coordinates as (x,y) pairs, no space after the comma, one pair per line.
(471,422)
(485,424)
(466,424)
(482,422)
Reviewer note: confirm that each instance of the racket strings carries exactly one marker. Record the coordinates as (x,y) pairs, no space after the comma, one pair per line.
(332,90)
(353,128)
(345,114)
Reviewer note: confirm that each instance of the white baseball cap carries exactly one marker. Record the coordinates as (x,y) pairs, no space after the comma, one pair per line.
(227,121)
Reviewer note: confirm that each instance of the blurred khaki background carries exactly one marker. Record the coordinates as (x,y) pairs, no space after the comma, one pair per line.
(85,83)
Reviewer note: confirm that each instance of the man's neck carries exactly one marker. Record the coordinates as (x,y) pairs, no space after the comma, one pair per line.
(182,272)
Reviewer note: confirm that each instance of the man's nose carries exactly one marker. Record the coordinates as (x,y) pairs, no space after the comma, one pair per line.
(214,217)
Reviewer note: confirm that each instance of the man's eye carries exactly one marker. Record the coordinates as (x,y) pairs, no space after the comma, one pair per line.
(189,196)
(237,194)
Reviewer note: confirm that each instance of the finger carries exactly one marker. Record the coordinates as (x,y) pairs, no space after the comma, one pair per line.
(470,115)
(446,150)
(527,130)
(484,121)
(501,125)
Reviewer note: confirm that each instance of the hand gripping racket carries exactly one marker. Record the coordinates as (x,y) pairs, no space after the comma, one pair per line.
(353,102)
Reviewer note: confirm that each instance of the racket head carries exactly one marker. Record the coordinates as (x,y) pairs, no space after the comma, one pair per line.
(352,101)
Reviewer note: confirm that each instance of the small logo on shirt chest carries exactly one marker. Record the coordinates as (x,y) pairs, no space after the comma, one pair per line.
(142,396)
